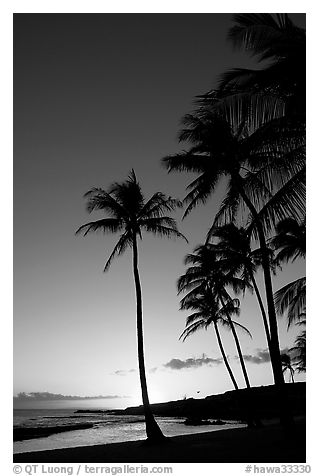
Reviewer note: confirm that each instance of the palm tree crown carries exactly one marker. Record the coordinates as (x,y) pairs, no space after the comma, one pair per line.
(129,214)
(207,312)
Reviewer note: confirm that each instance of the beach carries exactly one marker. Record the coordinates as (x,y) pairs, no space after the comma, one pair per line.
(269,444)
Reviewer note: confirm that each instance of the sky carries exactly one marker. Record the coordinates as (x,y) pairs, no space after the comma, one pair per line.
(94,97)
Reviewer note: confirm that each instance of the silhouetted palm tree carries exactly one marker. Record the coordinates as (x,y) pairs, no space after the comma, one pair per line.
(234,246)
(208,312)
(130,214)
(206,274)
(251,131)
(287,365)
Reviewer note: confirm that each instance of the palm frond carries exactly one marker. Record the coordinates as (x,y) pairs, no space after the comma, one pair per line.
(99,199)
(288,201)
(228,210)
(185,162)
(158,227)
(201,190)
(291,298)
(192,328)
(157,205)
(242,328)
(124,241)
(290,240)
(107,225)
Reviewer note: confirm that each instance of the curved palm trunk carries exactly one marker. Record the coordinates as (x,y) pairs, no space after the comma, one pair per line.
(224,356)
(262,309)
(153,431)
(240,355)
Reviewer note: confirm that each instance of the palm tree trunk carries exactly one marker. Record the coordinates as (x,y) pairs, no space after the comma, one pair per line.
(153,431)
(240,355)
(274,349)
(248,405)
(262,309)
(224,356)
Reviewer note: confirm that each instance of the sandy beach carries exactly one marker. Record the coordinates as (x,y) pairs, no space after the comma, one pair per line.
(267,444)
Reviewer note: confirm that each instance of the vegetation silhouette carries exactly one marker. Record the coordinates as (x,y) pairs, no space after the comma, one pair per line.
(207,274)
(130,214)
(298,352)
(286,363)
(234,245)
(212,275)
(279,87)
(290,244)
(250,132)
(219,152)
(208,312)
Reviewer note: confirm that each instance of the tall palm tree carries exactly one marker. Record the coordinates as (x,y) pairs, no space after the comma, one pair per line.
(208,312)
(234,245)
(287,365)
(206,274)
(129,214)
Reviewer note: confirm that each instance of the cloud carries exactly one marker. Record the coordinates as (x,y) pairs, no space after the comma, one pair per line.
(178,364)
(260,357)
(122,373)
(44,396)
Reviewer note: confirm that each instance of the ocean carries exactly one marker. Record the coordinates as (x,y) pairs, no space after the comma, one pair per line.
(106,428)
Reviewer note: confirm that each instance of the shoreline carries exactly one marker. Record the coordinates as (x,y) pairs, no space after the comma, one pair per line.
(30,433)
(267,444)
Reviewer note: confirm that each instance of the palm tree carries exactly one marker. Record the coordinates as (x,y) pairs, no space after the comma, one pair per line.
(287,365)
(234,245)
(207,274)
(130,214)
(208,312)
